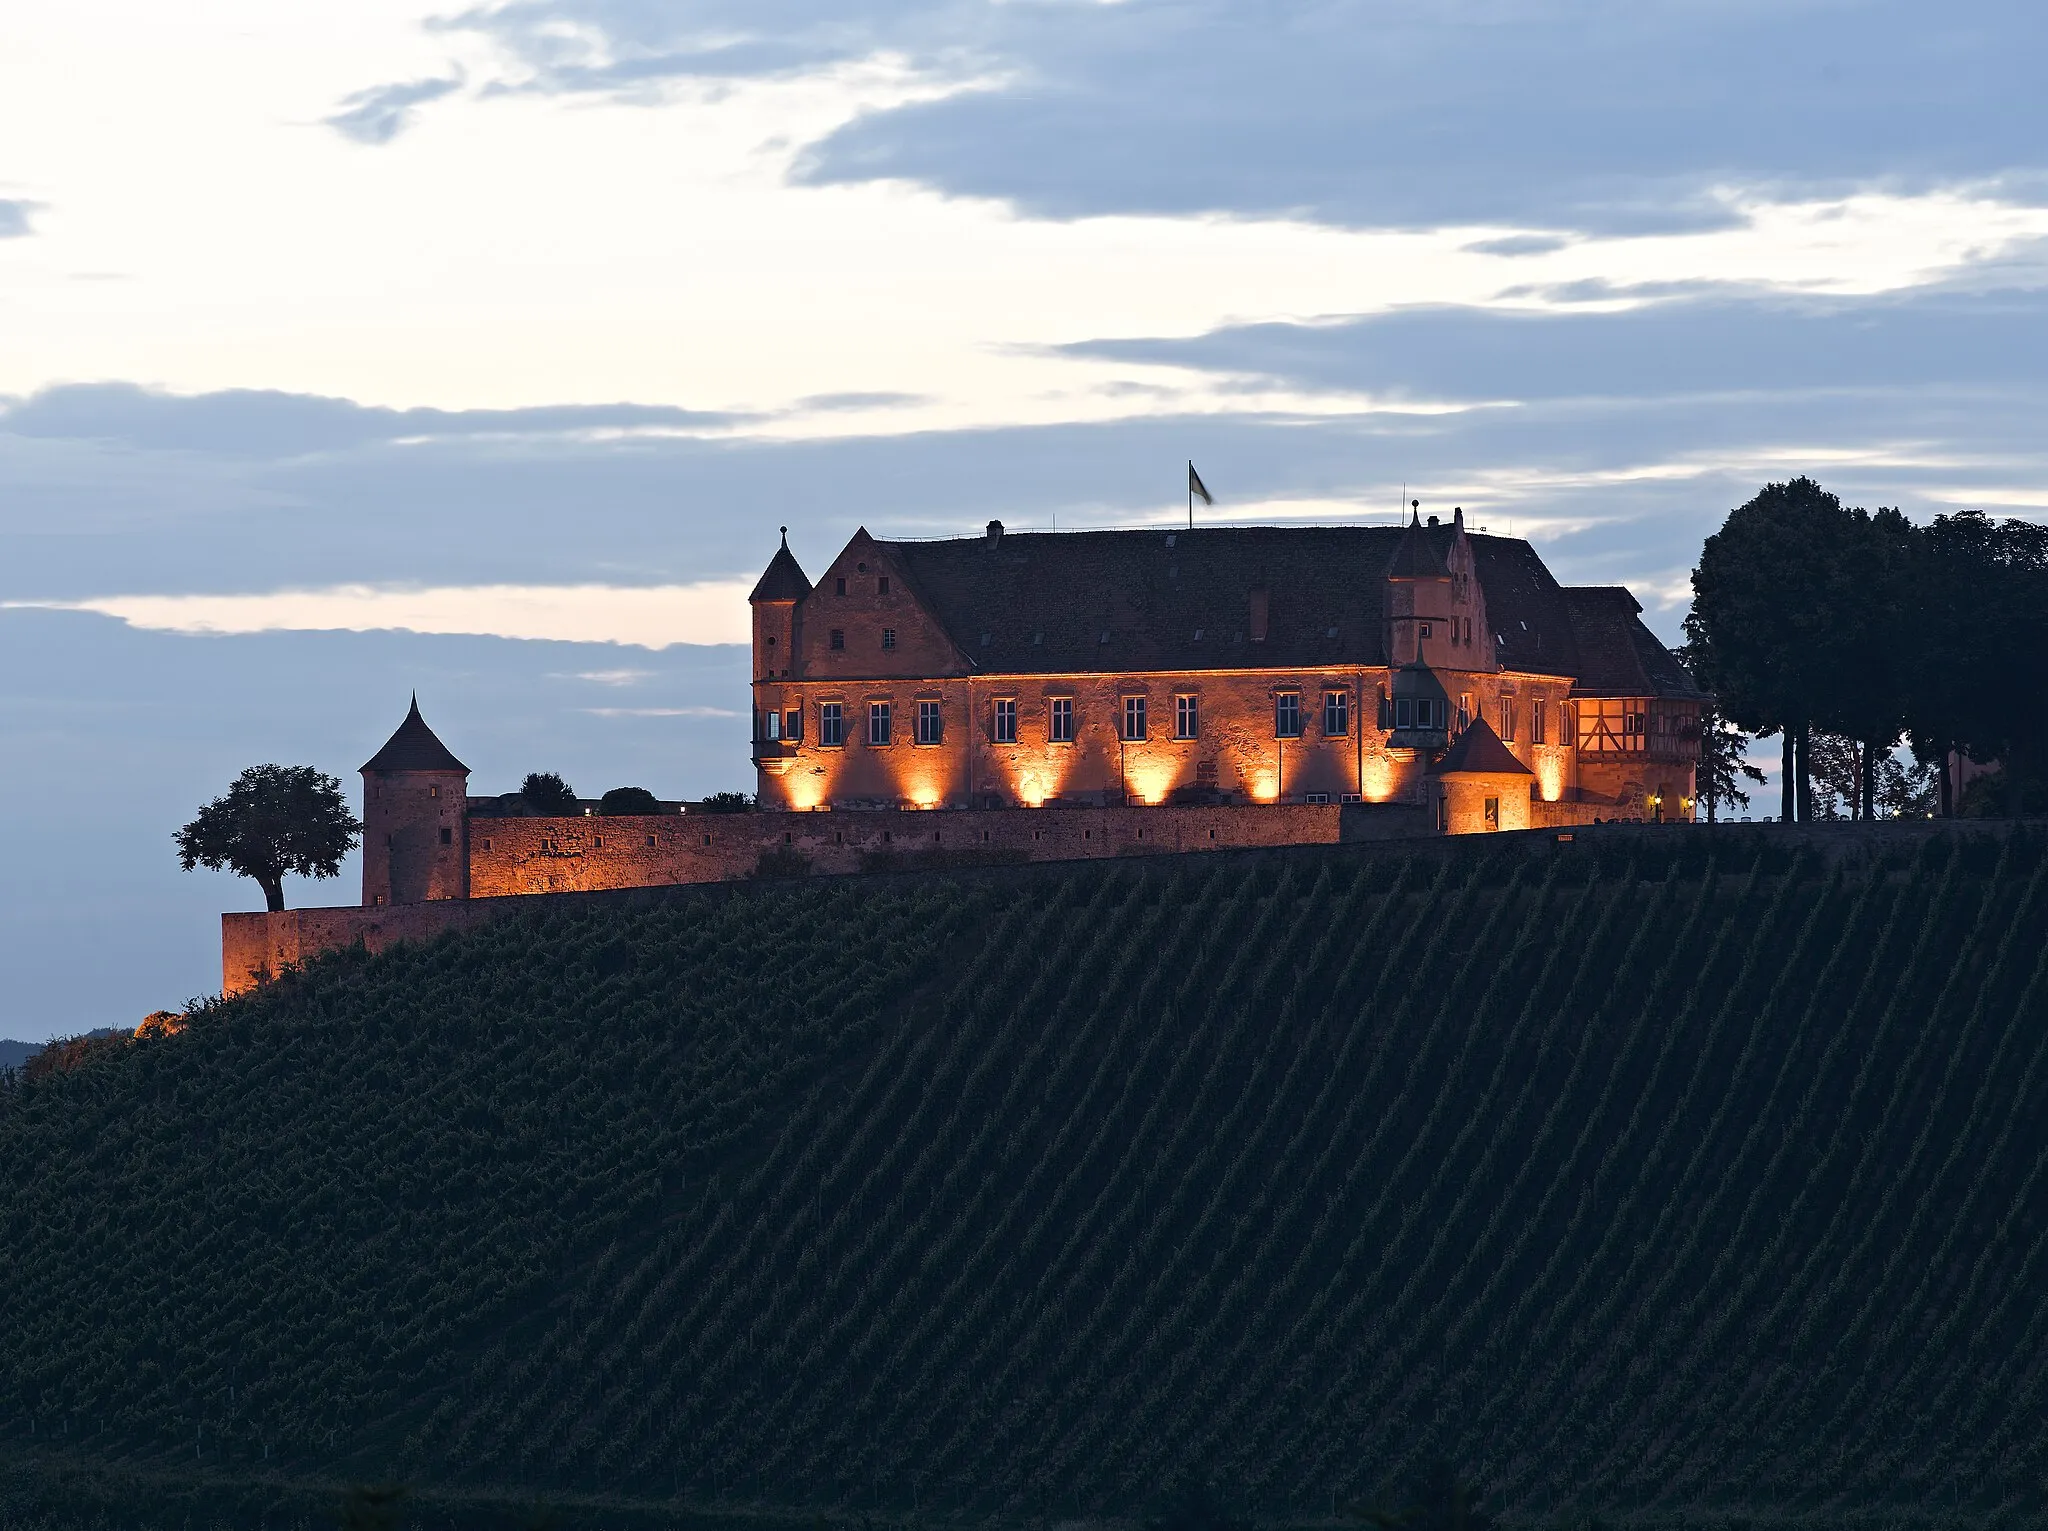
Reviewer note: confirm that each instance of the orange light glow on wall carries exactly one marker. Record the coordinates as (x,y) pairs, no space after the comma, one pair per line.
(806,792)
(1550,777)
(1263,788)
(1149,781)
(1378,785)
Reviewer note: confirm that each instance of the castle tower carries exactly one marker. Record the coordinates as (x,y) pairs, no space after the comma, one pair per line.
(415,819)
(776,596)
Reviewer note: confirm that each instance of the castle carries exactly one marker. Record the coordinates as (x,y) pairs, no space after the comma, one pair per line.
(1068,695)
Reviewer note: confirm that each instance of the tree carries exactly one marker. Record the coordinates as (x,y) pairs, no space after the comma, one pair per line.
(1802,618)
(1724,764)
(628,800)
(726,802)
(548,795)
(274,819)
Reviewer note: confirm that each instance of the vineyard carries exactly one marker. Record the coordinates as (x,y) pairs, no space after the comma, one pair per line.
(1689,1179)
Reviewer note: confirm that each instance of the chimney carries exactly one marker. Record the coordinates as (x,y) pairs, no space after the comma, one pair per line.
(995,533)
(1432,520)
(1256,627)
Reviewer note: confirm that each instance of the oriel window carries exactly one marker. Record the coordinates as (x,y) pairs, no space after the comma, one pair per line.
(881,722)
(793,725)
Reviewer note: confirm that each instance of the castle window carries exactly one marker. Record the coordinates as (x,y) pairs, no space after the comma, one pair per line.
(930,725)
(839,587)
(1134,718)
(882,585)
(1493,813)
(597,842)
(1385,714)
(1187,717)
(831,725)
(1425,629)
(487,842)
(433,792)
(888,637)
(838,637)
(1287,715)
(1507,719)
(447,835)
(1059,725)
(1004,719)
(771,640)
(793,725)
(1464,710)
(1404,712)
(650,842)
(881,722)
(1536,728)
(1336,714)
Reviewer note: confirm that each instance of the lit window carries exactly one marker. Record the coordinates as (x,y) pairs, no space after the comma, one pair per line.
(880,722)
(1187,717)
(1287,715)
(831,725)
(1464,710)
(1336,714)
(1536,722)
(1493,813)
(771,725)
(888,637)
(1006,720)
(930,727)
(838,637)
(1134,717)
(1060,720)
(1507,719)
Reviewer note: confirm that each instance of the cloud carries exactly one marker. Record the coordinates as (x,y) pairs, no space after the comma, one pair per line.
(1605,115)
(271,424)
(15,218)
(379,114)
(653,617)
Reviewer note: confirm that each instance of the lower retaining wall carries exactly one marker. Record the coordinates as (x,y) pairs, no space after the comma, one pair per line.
(582,855)
(257,947)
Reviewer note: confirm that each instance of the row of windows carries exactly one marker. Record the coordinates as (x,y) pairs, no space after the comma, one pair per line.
(838,634)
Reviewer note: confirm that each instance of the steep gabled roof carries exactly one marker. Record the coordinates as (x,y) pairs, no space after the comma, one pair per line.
(1618,655)
(783,579)
(1479,752)
(1045,600)
(414,748)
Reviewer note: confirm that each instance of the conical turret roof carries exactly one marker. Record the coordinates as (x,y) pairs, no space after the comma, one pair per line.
(783,579)
(1415,555)
(1479,752)
(415,747)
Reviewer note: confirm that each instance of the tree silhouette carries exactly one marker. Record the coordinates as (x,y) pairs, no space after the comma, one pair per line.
(548,795)
(628,800)
(274,819)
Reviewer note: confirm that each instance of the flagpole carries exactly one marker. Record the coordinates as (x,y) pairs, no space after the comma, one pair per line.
(1191,494)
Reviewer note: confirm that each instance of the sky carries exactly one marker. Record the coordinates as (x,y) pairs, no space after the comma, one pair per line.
(348,351)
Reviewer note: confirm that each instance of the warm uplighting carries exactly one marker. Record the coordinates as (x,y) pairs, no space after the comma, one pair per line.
(1264,789)
(1377,784)
(806,792)
(1149,782)
(1550,777)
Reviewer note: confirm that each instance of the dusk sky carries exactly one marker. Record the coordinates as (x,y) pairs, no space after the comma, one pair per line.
(352,350)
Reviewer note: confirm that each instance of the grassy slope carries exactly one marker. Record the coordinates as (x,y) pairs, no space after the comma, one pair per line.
(1629,1188)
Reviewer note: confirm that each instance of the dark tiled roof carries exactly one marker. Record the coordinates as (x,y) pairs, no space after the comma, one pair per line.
(1618,656)
(1531,619)
(1416,555)
(783,579)
(414,748)
(1479,752)
(1152,591)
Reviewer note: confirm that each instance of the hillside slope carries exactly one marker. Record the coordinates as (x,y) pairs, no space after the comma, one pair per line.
(1649,1184)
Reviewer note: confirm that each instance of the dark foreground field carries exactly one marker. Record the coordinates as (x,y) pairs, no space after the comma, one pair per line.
(1666,1181)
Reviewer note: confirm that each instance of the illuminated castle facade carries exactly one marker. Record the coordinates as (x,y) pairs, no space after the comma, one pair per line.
(1424,665)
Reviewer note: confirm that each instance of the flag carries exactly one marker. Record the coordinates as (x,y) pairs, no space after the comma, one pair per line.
(1196,486)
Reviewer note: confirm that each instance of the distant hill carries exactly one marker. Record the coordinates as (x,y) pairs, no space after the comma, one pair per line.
(1639,1183)
(14,1054)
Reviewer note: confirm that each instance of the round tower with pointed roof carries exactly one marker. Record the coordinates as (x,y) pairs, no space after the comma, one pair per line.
(415,818)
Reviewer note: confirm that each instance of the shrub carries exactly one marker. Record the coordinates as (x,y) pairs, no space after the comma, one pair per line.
(726,802)
(628,800)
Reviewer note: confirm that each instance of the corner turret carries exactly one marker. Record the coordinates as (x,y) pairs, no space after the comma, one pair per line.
(415,824)
(776,597)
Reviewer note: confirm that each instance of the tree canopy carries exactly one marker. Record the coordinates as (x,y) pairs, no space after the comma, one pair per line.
(628,800)
(274,819)
(1812,618)
(548,795)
